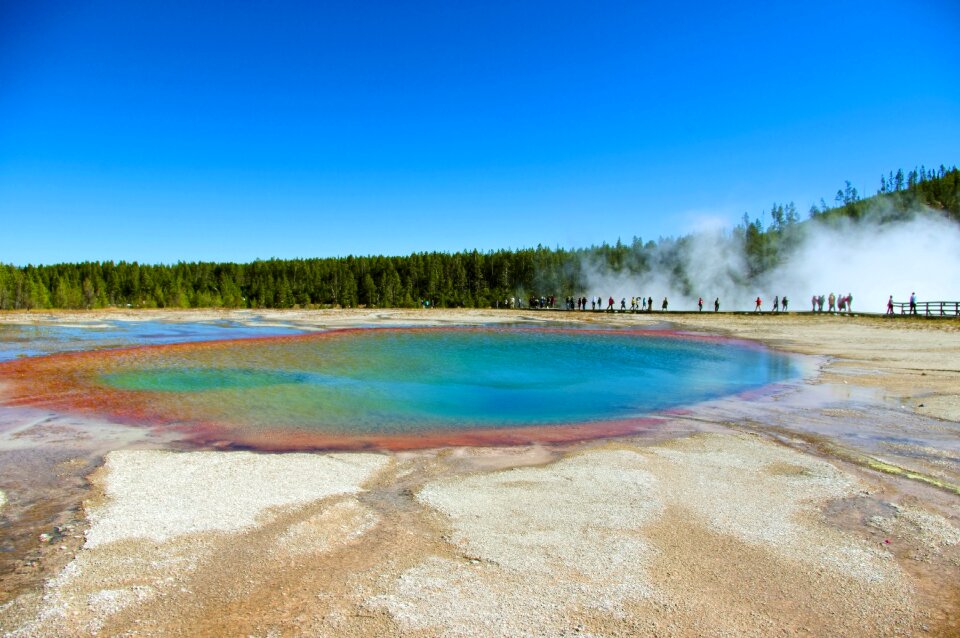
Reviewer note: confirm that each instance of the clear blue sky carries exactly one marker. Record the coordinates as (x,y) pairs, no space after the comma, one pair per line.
(166,131)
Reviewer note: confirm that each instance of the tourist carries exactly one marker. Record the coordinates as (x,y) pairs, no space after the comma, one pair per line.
(776,303)
(833,303)
(700,304)
(784,302)
(913,303)
(758,308)
(664,306)
(890,305)
(820,301)
(849,302)
(716,304)
(610,304)
(813,303)
(623,304)
(650,304)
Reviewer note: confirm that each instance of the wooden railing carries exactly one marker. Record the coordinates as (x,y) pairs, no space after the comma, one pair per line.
(929,308)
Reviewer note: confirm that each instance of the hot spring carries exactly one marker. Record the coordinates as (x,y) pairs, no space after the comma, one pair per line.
(398,388)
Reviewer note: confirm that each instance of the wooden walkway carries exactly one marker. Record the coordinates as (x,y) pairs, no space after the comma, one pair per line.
(929,308)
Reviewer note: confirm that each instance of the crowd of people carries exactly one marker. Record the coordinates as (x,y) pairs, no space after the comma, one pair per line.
(835,304)
(636,304)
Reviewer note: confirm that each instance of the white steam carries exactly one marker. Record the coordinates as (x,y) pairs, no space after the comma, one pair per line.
(868,259)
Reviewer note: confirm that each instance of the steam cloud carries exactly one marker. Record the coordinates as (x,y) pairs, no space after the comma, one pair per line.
(868,259)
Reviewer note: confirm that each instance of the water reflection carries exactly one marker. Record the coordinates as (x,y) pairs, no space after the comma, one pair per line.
(29,340)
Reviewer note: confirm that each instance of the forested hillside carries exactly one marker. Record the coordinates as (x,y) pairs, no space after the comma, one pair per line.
(470,279)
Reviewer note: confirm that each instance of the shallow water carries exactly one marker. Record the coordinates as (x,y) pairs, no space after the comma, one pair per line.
(399,382)
(29,340)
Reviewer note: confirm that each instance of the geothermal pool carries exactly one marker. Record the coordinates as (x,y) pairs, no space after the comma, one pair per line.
(396,388)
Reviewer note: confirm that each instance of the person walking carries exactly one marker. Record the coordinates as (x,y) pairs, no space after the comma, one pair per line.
(776,303)
(913,303)
(700,304)
(664,304)
(716,304)
(758,308)
(890,305)
(784,302)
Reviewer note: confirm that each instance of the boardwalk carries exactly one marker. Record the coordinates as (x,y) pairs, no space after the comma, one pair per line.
(930,308)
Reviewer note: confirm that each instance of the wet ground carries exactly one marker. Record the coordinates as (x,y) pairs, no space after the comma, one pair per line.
(29,340)
(855,424)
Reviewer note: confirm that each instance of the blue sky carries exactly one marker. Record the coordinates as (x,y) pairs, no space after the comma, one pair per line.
(166,131)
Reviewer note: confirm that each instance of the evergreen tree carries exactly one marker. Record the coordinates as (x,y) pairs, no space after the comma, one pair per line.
(368,292)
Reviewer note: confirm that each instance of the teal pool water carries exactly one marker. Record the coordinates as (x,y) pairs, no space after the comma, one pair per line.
(404,381)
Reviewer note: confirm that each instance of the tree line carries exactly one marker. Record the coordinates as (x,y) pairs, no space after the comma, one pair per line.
(461,279)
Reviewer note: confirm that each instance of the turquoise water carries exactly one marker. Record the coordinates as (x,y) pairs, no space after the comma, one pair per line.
(398,381)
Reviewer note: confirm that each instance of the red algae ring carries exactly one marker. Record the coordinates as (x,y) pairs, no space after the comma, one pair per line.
(398,388)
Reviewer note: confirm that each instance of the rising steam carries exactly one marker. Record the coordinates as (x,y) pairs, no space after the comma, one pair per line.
(868,258)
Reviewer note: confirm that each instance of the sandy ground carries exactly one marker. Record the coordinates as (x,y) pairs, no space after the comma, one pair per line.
(827,508)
